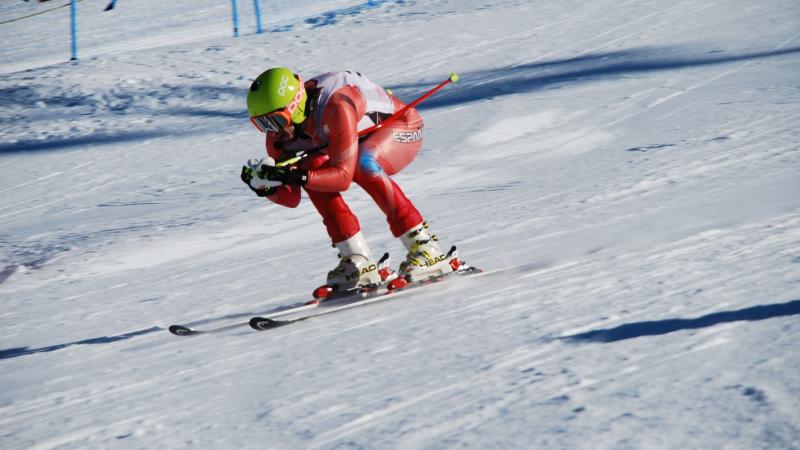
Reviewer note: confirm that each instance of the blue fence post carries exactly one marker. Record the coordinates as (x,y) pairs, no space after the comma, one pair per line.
(257,9)
(235,19)
(73,13)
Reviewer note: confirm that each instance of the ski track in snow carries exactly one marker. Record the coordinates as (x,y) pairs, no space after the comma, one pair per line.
(631,167)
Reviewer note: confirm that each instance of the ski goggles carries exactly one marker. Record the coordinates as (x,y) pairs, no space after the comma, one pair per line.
(275,121)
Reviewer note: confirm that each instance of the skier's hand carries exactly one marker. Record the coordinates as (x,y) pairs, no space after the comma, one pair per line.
(290,176)
(254,176)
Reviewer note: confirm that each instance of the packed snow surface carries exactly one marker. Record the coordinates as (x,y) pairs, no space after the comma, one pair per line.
(631,169)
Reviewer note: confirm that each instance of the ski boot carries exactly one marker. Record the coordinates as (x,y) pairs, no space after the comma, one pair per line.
(357,271)
(425,260)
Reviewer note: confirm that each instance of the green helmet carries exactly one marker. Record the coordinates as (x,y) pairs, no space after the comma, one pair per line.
(276,89)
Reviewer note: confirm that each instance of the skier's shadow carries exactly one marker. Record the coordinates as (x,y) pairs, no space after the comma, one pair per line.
(658,327)
(598,66)
(22,351)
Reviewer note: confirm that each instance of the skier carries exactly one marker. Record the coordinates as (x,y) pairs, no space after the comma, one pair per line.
(329,110)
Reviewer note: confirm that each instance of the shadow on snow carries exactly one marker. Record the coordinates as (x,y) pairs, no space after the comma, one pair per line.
(22,351)
(518,79)
(474,86)
(331,17)
(80,141)
(658,327)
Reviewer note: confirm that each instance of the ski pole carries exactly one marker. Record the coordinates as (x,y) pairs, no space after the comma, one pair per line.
(302,155)
(452,79)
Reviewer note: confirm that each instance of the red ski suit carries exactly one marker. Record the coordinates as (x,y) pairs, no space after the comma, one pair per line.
(339,105)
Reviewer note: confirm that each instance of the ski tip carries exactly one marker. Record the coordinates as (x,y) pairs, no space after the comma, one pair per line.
(265,323)
(454,77)
(180,330)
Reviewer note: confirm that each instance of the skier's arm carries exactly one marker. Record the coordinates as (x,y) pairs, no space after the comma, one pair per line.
(340,117)
(288,196)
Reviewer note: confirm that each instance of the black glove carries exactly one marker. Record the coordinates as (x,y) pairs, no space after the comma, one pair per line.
(290,176)
(247,175)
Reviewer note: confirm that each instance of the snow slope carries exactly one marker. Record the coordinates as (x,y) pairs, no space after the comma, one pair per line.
(632,165)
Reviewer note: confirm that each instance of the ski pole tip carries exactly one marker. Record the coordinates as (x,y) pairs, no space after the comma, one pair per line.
(454,77)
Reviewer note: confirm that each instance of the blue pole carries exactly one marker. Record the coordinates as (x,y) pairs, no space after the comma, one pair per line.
(73,13)
(259,30)
(235,19)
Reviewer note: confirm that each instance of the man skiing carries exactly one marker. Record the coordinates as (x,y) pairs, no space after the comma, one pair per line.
(328,111)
